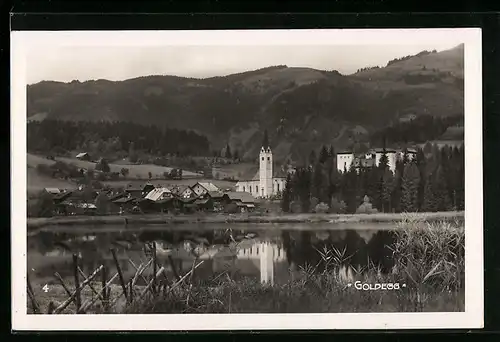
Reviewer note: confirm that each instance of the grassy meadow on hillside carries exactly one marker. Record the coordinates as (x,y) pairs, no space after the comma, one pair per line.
(137,176)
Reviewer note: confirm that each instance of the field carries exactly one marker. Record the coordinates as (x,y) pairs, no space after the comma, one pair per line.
(135,171)
(236,171)
(137,176)
(37,182)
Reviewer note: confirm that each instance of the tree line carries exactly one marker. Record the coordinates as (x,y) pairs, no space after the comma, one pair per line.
(419,130)
(113,137)
(429,182)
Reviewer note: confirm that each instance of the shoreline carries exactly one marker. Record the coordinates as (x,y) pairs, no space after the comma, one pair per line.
(35,223)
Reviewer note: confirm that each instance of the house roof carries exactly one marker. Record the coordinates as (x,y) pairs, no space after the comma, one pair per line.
(179,189)
(215,194)
(277,173)
(53,191)
(201,201)
(124,200)
(246,205)
(208,186)
(82,154)
(387,150)
(117,196)
(157,193)
(63,195)
(240,196)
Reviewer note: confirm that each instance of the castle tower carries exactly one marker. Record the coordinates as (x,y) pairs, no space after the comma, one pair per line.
(265,169)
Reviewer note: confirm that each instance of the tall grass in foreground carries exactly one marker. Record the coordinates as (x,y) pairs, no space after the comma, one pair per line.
(428,257)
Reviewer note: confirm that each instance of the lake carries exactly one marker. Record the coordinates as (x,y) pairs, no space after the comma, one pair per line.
(271,252)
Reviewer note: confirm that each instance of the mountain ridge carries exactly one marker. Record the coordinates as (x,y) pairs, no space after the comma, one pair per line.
(300,107)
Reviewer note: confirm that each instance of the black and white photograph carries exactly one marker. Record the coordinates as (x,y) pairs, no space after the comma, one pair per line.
(198,180)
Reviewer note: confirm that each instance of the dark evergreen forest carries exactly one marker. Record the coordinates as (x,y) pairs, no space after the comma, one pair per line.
(433,181)
(56,135)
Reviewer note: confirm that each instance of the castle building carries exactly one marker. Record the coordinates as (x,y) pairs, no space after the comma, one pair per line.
(266,182)
(372,158)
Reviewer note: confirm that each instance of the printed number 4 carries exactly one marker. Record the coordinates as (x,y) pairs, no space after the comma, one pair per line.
(45,288)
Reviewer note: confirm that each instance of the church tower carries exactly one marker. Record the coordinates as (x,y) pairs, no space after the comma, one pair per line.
(265,168)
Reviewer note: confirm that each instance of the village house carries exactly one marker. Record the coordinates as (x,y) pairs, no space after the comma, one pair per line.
(266,182)
(182,191)
(371,158)
(244,200)
(139,191)
(53,191)
(83,156)
(158,199)
(62,196)
(159,194)
(124,204)
(202,188)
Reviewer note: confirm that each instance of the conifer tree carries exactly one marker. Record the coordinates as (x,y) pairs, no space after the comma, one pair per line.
(383,163)
(396,188)
(429,202)
(228,152)
(317,181)
(312,158)
(460,187)
(286,199)
(420,161)
(323,155)
(387,184)
(441,194)
(331,152)
(410,184)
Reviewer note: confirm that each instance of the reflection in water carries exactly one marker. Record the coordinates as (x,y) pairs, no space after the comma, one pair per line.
(273,255)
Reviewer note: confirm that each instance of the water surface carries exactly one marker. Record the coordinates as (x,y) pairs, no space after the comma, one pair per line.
(271,252)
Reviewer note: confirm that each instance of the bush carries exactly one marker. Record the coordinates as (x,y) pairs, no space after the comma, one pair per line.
(366,207)
(312,206)
(124,171)
(322,208)
(97,185)
(103,166)
(337,207)
(41,206)
(101,176)
(295,207)
(102,203)
(231,208)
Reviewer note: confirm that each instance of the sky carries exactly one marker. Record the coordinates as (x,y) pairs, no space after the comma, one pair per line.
(115,63)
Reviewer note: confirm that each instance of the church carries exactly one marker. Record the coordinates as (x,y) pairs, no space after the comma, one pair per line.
(266,182)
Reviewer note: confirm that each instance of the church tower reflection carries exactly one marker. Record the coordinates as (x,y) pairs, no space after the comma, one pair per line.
(268,254)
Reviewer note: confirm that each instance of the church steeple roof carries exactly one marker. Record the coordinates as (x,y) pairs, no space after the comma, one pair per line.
(265,141)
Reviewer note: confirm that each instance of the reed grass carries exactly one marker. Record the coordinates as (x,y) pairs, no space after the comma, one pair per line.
(429,268)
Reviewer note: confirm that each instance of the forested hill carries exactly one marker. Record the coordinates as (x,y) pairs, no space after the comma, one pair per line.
(113,138)
(301,108)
